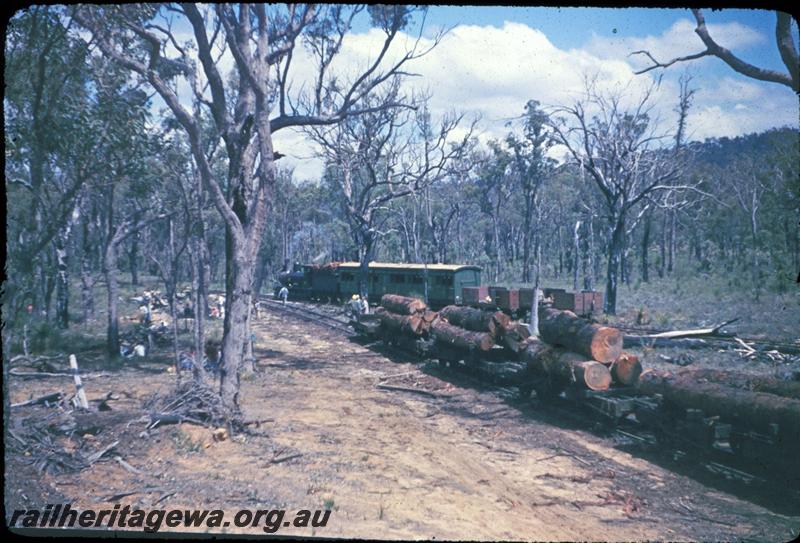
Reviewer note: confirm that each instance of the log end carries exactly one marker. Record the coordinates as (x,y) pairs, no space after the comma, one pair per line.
(626,369)
(606,344)
(596,376)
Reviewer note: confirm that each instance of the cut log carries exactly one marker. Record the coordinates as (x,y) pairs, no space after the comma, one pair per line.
(469,318)
(448,334)
(404,324)
(754,410)
(429,316)
(403,305)
(626,369)
(566,329)
(755,383)
(566,366)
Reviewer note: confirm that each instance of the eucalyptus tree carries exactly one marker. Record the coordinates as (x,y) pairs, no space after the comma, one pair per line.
(46,94)
(262,97)
(531,166)
(627,157)
(381,156)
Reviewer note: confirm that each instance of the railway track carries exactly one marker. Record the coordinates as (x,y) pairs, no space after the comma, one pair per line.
(305,313)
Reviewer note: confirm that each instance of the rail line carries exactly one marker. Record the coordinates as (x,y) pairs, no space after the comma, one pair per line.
(307,314)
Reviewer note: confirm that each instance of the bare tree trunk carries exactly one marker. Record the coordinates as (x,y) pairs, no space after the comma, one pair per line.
(673,220)
(646,249)
(534,325)
(235,336)
(199,308)
(134,259)
(62,278)
(663,247)
(87,282)
(112,290)
(615,249)
(526,238)
(594,263)
(576,250)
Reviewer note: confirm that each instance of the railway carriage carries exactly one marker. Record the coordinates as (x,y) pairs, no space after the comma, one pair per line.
(445,281)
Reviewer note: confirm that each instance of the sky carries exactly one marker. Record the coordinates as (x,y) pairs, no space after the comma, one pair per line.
(494,59)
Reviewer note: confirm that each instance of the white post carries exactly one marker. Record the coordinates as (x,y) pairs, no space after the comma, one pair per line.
(73,364)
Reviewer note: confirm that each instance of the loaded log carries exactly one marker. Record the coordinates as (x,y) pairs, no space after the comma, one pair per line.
(403,305)
(755,383)
(626,369)
(757,410)
(448,334)
(566,329)
(476,320)
(565,366)
(407,324)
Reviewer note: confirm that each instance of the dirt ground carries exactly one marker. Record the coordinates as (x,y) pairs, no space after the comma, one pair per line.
(460,463)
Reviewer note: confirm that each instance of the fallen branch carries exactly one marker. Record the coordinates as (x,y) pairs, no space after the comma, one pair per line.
(675,334)
(127,466)
(285,458)
(92,458)
(406,389)
(47,398)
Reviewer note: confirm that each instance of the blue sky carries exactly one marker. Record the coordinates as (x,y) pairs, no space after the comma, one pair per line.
(496,58)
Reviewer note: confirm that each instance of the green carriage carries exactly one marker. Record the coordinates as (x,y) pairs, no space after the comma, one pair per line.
(444,281)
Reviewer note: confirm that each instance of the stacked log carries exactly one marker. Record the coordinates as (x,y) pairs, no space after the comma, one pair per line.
(405,315)
(405,324)
(475,320)
(565,366)
(403,305)
(626,369)
(754,409)
(755,383)
(446,333)
(567,330)
(516,337)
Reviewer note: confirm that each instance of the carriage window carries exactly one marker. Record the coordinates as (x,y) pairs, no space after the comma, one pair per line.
(416,279)
(347,277)
(397,278)
(443,281)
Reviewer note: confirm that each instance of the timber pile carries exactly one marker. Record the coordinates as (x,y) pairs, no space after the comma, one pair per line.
(404,315)
(516,337)
(567,330)
(743,381)
(475,320)
(470,329)
(402,305)
(448,334)
(755,409)
(565,367)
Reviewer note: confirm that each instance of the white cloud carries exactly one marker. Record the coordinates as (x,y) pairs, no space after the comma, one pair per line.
(493,71)
(678,40)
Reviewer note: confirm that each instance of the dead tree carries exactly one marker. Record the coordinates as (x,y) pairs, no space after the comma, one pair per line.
(381,156)
(783,39)
(619,148)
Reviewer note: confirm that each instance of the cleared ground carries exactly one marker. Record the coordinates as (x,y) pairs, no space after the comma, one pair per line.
(460,463)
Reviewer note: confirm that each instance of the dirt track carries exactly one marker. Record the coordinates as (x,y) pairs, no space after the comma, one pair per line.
(460,463)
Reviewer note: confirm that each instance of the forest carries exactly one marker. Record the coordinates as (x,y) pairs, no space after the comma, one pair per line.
(594,213)
(130,154)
